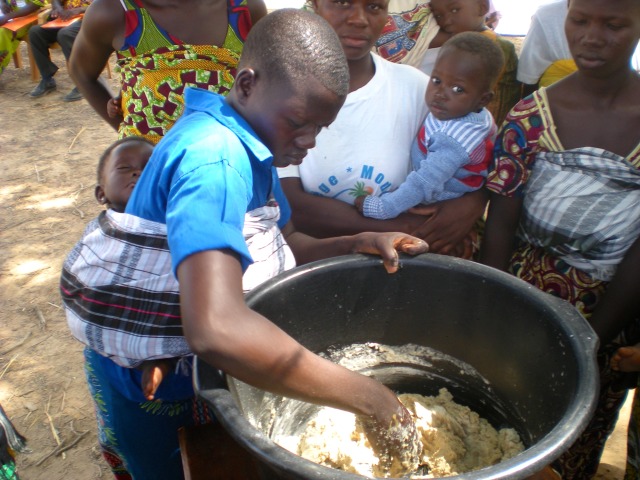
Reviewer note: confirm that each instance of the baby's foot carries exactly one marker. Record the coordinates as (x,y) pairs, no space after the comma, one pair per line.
(626,359)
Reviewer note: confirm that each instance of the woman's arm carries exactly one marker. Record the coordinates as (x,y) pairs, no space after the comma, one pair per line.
(500,232)
(449,222)
(442,225)
(102,23)
(324,217)
(257,10)
(621,302)
(224,332)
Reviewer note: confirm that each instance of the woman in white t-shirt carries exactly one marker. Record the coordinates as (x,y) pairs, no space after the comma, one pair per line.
(367,148)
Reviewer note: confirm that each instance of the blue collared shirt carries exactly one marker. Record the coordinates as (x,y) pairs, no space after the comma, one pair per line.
(204,175)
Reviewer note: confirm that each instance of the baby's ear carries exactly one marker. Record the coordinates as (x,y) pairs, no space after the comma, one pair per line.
(100,196)
(485,99)
(484,7)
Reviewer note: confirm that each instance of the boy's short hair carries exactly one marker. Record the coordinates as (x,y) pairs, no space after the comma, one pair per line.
(486,49)
(292,45)
(107,153)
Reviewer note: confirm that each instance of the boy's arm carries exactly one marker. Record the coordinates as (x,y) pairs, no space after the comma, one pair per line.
(91,50)
(224,332)
(500,232)
(386,244)
(621,302)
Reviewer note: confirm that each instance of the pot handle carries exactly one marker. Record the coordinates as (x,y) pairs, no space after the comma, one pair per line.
(581,325)
(206,377)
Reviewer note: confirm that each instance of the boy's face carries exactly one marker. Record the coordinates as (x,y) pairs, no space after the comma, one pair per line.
(602,34)
(358,23)
(457,16)
(287,118)
(121,173)
(458,85)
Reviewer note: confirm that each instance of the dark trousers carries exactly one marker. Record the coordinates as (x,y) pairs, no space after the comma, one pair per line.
(41,38)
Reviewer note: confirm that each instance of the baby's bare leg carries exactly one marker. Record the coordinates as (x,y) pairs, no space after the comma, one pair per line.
(626,359)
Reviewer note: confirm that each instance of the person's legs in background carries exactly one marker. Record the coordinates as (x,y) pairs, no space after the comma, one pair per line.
(65,38)
(40,39)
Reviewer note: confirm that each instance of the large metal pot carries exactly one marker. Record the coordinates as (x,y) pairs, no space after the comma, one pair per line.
(536,352)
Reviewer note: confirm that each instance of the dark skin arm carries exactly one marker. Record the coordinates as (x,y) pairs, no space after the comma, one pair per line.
(222,330)
(443,224)
(91,50)
(21,12)
(450,221)
(621,303)
(500,231)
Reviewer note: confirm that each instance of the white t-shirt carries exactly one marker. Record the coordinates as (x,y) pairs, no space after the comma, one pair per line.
(544,43)
(429,60)
(367,148)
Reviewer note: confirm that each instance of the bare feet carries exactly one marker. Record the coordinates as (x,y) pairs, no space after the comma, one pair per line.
(153,373)
(626,359)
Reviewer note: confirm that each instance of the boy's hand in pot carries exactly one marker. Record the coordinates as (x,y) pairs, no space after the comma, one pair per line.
(395,442)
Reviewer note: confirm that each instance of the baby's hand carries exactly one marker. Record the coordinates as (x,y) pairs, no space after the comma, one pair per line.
(114,107)
(359,202)
(153,373)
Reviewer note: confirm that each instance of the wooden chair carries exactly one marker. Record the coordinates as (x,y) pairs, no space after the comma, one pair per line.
(35,74)
(43,17)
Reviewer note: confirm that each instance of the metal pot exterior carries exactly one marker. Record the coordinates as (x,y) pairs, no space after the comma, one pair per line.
(537,352)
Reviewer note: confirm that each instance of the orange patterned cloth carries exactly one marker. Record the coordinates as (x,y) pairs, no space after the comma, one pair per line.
(156,67)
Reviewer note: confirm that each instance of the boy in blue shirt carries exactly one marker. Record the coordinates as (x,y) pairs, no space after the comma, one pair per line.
(208,179)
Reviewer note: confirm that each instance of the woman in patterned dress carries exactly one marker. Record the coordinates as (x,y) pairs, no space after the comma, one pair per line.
(162,47)
(565,196)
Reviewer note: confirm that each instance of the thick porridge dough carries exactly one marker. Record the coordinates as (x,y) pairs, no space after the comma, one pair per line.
(454,438)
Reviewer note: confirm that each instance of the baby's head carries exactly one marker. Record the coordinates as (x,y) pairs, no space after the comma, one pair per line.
(457,16)
(292,80)
(119,169)
(464,75)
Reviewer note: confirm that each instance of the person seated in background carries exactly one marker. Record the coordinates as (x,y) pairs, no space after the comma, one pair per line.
(453,148)
(564,211)
(367,149)
(10,40)
(42,37)
(161,49)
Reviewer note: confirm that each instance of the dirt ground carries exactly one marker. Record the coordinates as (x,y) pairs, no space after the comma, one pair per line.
(48,155)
